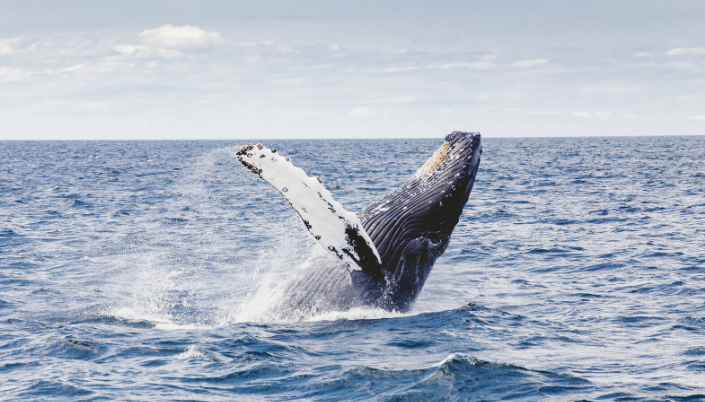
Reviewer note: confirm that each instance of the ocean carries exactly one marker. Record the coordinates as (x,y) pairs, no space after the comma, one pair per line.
(142,270)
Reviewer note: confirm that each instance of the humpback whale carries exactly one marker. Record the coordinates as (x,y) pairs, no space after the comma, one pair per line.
(381,256)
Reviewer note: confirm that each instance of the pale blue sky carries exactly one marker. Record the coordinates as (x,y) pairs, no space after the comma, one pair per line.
(355,69)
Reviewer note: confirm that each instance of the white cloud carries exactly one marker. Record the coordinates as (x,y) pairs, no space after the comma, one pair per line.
(88,106)
(544,112)
(300,114)
(248,44)
(185,37)
(679,65)
(529,63)
(333,47)
(13,75)
(537,112)
(398,99)
(490,56)
(251,59)
(480,65)
(596,115)
(143,52)
(65,70)
(397,51)
(618,89)
(399,69)
(689,50)
(6,48)
(642,54)
(554,127)
(366,112)
(698,117)
(610,89)
(131,50)
(284,48)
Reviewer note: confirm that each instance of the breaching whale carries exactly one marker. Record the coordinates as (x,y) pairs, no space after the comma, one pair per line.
(382,256)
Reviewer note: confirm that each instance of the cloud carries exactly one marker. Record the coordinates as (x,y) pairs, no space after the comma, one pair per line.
(366,112)
(253,44)
(609,89)
(679,65)
(642,54)
(597,115)
(397,51)
(398,99)
(399,69)
(490,56)
(698,117)
(6,48)
(689,50)
(143,52)
(529,63)
(537,112)
(618,89)
(65,70)
(479,65)
(267,46)
(185,37)
(251,59)
(13,75)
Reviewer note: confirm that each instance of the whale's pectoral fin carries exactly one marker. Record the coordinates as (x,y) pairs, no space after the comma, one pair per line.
(337,230)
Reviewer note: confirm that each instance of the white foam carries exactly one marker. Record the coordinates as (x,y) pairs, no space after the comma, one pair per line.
(195,352)
(159,321)
(358,314)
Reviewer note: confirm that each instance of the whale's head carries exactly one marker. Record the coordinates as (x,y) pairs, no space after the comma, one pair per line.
(411,226)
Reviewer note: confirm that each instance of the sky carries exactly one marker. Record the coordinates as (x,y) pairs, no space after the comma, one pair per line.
(132,70)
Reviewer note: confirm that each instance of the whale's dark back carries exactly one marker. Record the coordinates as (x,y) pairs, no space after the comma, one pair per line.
(411,226)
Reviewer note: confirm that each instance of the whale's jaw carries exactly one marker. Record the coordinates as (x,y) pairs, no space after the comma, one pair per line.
(411,226)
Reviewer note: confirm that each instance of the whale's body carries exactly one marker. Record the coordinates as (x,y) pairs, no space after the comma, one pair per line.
(383,258)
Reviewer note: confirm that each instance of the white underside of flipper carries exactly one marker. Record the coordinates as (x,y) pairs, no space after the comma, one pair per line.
(340,232)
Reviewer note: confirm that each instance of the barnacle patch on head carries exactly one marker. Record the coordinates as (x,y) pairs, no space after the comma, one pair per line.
(436,159)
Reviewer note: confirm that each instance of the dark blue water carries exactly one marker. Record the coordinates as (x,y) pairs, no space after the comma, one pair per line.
(139,271)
